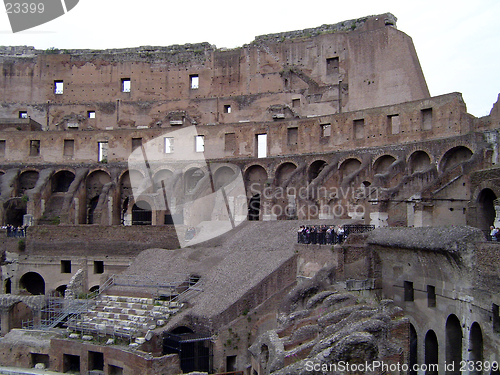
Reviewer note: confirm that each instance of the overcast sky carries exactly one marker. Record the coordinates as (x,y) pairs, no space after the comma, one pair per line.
(458,42)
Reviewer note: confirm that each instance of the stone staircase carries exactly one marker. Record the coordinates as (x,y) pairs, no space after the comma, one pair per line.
(125,317)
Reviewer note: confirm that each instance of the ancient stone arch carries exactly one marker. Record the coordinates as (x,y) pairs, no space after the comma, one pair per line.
(349,166)
(222,176)
(382,164)
(485,207)
(33,283)
(27,181)
(475,344)
(61,181)
(255,178)
(284,172)
(413,357)
(419,161)
(162,175)
(431,350)
(453,331)
(315,169)
(453,157)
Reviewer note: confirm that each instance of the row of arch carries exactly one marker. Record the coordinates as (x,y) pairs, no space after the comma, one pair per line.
(453,348)
(256,176)
(34,284)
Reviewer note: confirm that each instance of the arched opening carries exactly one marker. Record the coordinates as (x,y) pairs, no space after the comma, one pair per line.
(61,181)
(194,350)
(223,176)
(453,157)
(383,163)
(283,173)
(349,166)
(91,209)
(94,289)
(95,182)
(33,283)
(431,353)
(486,209)
(254,208)
(142,213)
(419,161)
(413,350)
(255,179)
(60,291)
(8,286)
(191,179)
(15,209)
(27,181)
(162,178)
(476,345)
(453,344)
(315,169)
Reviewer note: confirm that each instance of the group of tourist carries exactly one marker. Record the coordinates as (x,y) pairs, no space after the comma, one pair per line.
(321,234)
(494,233)
(13,231)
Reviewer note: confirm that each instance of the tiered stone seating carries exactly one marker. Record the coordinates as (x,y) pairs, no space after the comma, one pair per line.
(130,317)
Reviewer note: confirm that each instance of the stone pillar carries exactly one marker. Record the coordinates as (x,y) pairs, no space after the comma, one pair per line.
(423,215)
(76,203)
(5,321)
(110,210)
(496,204)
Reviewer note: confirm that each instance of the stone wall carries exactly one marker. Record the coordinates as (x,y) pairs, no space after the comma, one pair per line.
(276,70)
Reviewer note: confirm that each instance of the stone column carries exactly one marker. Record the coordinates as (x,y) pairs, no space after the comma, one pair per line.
(496,204)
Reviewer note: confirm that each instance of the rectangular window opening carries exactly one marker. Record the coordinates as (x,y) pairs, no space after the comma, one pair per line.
(40,358)
(102,148)
(34,148)
(326,130)
(65,266)
(23,114)
(136,143)
(199,142)
(194,81)
(71,363)
(292,136)
(169,145)
(227,108)
(332,65)
(295,103)
(58,87)
(229,142)
(431,296)
(409,293)
(261,140)
(230,363)
(98,266)
(394,124)
(69,147)
(91,114)
(115,370)
(359,129)
(2,147)
(96,361)
(427,119)
(126,84)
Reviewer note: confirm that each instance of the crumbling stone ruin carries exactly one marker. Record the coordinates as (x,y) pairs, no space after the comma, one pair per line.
(332,125)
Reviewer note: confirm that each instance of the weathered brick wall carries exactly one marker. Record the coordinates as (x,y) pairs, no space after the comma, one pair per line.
(95,240)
